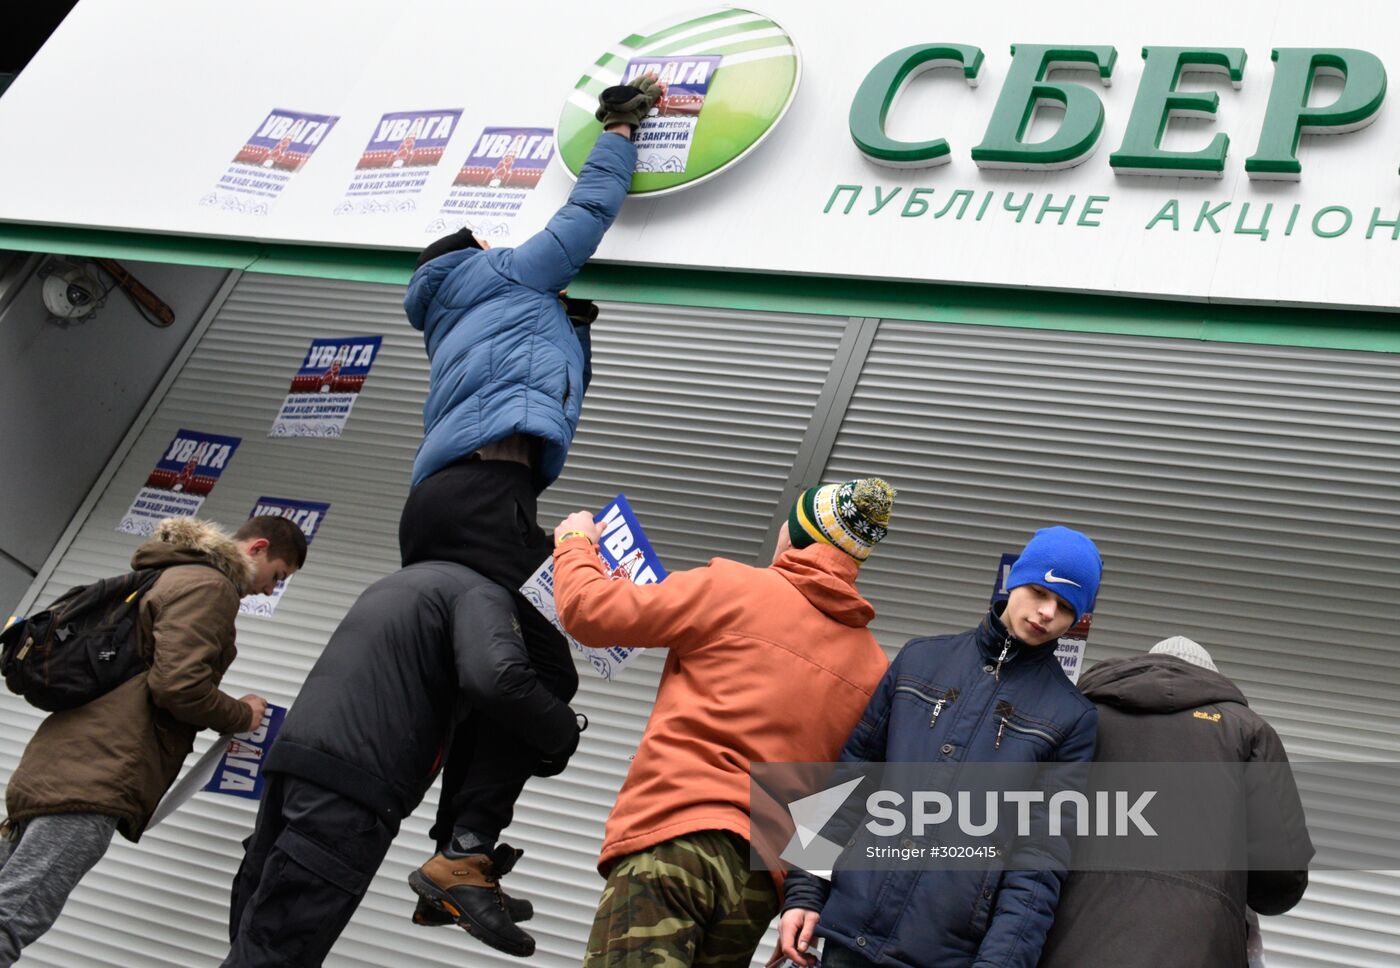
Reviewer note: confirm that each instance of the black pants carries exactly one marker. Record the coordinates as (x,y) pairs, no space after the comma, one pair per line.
(308,863)
(482,514)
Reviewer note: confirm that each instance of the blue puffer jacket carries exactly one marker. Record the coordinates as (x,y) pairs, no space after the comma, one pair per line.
(504,357)
(943,700)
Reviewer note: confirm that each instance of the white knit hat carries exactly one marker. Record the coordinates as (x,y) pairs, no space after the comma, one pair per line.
(1183,648)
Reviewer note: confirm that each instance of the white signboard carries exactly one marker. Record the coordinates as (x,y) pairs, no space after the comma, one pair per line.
(807,199)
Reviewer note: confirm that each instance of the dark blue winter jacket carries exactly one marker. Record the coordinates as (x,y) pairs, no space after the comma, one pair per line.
(504,357)
(945,699)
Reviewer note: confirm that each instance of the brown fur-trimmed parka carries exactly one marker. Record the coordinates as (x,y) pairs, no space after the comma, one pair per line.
(118,754)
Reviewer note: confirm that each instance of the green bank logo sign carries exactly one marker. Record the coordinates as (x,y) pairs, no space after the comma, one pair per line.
(1287,118)
(730,73)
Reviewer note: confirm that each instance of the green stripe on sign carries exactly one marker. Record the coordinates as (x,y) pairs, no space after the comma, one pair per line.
(611,60)
(761,44)
(713,35)
(661,35)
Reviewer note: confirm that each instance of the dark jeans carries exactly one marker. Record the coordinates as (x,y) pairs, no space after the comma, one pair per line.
(482,514)
(308,863)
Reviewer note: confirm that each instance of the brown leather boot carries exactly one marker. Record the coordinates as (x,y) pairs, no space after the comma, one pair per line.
(468,890)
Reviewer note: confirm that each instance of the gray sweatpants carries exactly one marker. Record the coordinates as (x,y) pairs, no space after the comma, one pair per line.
(39,869)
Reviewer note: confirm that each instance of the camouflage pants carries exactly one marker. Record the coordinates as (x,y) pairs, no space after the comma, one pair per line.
(689,901)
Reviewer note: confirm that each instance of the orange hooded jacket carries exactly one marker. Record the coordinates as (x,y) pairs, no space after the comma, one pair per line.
(766,665)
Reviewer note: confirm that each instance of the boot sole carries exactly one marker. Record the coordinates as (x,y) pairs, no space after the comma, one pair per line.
(439,898)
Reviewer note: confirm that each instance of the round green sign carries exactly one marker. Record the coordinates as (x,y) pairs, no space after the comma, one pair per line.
(730,75)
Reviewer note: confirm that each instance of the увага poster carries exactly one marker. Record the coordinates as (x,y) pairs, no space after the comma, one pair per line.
(182,479)
(505,164)
(306,515)
(663,142)
(402,152)
(326,387)
(627,555)
(1070,647)
(264,166)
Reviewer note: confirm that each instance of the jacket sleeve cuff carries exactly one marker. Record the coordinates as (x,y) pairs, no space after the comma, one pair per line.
(231,715)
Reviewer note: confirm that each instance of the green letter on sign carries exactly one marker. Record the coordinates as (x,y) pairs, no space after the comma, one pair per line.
(877,95)
(1158,101)
(1288,117)
(1025,89)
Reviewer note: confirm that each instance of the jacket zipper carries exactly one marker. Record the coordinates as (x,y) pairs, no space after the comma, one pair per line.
(1005,648)
(938,704)
(1006,724)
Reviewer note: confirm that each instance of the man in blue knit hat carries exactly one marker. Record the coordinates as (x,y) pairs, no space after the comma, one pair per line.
(994,694)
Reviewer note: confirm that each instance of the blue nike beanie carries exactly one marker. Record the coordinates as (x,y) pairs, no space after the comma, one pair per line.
(1063,561)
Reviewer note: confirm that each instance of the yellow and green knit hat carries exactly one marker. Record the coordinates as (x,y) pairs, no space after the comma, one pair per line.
(853,516)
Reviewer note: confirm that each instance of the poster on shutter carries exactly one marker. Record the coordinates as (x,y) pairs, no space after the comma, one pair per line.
(306,515)
(326,387)
(666,134)
(402,152)
(627,555)
(1070,649)
(492,185)
(181,480)
(260,171)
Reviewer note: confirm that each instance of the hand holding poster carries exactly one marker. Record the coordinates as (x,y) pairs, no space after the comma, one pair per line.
(666,134)
(1070,649)
(181,480)
(628,556)
(306,515)
(233,765)
(326,387)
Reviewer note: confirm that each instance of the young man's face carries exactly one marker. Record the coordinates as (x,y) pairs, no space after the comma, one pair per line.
(267,572)
(1037,615)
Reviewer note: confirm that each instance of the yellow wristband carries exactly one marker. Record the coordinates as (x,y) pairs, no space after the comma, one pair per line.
(571,534)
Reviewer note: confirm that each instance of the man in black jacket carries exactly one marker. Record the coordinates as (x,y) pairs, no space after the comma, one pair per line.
(1173,705)
(429,646)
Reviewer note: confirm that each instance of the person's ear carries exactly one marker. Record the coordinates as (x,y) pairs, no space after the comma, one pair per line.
(257,547)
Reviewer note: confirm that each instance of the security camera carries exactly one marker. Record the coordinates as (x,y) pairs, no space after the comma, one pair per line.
(73,294)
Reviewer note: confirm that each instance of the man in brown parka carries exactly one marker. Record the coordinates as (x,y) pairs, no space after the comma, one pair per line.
(102,767)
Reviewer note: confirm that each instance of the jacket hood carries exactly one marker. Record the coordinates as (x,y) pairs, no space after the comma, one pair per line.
(426,281)
(1157,684)
(826,577)
(190,541)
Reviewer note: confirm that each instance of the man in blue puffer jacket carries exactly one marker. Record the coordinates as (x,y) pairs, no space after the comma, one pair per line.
(994,694)
(509,357)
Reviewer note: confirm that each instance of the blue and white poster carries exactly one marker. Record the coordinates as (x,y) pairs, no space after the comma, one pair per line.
(628,556)
(306,515)
(326,387)
(232,765)
(183,477)
(1070,649)
(401,154)
(238,770)
(668,130)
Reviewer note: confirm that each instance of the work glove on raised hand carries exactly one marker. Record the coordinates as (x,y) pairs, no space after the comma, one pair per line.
(628,103)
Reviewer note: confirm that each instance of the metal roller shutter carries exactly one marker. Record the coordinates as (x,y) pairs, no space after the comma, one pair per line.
(696,415)
(1244,496)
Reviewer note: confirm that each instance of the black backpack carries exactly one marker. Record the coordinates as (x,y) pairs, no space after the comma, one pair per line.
(82,646)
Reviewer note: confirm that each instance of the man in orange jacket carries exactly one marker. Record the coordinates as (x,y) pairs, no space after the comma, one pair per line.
(743,641)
